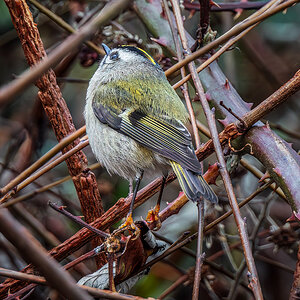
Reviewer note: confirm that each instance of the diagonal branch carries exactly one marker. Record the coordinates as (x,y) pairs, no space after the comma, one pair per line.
(32,251)
(111,10)
(56,110)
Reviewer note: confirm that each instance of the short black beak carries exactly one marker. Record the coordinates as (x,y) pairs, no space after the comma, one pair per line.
(106,48)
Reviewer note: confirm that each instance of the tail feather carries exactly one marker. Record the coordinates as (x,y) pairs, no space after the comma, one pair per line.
(193,185)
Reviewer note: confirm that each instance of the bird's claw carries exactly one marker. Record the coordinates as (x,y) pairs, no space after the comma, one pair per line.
(153,217)
(129,224)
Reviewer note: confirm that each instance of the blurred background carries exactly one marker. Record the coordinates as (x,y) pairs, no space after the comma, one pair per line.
(258,65)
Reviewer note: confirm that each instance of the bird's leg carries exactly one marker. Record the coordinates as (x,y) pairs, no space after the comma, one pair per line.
(130,186)
(152,215)
(129,220)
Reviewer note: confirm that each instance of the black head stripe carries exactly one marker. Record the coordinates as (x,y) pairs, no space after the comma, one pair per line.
(140,52)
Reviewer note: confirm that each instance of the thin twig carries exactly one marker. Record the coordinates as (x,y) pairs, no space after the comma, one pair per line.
(182,279)
(224,48)
(77,220)
(45,188)
(199,255)
(32,251)
(254,283)
(230,33)
(199,258)
(41,161)
(31,75)
(184,89)
(58,20)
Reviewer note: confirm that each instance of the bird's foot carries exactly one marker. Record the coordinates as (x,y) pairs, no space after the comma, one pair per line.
(130,226)
(153,219)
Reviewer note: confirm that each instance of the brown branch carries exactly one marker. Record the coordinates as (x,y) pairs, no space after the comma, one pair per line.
(56,110)
(230,33)
(111,10)
(33,252)
(184,89)
(110,217)
(58,20)
(92,291)
(200,204)
(277,98)
(42,160)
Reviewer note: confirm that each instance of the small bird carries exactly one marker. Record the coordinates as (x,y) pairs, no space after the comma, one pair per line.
(135,123)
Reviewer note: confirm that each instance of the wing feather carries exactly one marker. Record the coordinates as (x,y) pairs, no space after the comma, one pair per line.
(169,138)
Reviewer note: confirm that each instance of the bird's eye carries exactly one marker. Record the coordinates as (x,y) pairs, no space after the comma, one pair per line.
(114,55)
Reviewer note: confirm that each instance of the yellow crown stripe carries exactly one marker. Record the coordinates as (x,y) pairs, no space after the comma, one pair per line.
(144,52)
(148,56)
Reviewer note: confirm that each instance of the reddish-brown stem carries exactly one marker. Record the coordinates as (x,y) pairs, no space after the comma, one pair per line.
(56,109)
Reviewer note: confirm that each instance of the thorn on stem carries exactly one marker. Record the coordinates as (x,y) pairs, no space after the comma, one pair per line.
(227,86)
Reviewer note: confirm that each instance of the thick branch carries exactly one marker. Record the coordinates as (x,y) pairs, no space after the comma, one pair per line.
(56,110)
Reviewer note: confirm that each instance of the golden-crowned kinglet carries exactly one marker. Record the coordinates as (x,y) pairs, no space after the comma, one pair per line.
(135,122)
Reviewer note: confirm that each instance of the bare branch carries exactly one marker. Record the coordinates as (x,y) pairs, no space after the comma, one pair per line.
(32,251)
